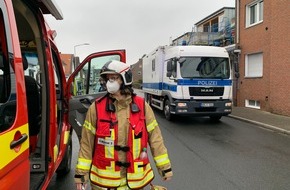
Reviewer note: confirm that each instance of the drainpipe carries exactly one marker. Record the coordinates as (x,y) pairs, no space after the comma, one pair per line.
(237,21)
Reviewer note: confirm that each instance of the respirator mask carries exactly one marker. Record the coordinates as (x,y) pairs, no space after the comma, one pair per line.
(112,86)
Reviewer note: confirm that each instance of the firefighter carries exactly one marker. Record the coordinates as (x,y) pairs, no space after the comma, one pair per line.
(119,127)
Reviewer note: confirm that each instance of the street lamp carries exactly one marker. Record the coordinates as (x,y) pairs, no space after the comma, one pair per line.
(83,44)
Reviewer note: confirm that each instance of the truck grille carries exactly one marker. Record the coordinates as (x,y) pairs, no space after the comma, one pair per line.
(206,91)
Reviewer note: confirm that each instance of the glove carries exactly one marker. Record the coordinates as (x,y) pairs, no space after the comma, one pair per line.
(166,174)
(81,186)
(81,181)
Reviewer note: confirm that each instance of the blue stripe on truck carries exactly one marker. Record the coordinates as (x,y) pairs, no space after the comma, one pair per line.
(187,82)
(204,82)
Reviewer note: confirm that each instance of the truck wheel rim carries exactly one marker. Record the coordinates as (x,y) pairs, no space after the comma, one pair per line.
(166,110)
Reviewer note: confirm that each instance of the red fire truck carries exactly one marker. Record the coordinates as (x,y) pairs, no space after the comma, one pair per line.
(38,108)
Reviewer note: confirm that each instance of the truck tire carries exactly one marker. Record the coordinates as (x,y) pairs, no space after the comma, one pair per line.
(148,98)
(65,165)
(166,110)
(215,118)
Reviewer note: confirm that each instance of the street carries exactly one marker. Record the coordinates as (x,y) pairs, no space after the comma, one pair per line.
(230,154)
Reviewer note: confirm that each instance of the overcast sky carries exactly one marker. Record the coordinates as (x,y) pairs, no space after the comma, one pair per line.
(139,26)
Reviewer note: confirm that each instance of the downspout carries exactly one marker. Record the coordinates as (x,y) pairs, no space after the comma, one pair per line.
(237,54)
(237,21)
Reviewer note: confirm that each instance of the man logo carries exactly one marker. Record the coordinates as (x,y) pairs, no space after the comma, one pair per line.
(206,90)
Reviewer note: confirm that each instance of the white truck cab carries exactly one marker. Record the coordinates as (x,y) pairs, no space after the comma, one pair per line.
(188,80)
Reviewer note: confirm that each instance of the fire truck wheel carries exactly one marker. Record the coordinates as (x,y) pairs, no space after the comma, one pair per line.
(65,165)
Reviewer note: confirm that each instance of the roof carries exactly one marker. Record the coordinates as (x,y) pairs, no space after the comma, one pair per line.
(50,7)
(214,14)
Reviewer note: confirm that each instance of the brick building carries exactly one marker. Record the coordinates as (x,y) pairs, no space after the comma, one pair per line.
(137,73)
(67,61)
(263,38)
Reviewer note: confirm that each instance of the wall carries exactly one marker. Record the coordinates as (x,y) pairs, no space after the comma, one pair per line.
(137,73)
(272,38)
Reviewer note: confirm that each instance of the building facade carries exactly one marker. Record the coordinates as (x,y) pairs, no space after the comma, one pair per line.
(264,61)
(67,62)
(217,29)
(137,74)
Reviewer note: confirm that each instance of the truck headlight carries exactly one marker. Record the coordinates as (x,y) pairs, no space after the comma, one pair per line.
(228,104)
(181,104)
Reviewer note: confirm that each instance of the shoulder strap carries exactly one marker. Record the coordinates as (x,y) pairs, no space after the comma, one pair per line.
(140,101)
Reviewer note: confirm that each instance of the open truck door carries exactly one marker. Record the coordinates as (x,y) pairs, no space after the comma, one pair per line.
(14,133)
(35,136)
(83,85)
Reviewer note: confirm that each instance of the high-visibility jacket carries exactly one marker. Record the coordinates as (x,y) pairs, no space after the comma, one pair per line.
(90,126)
(105,170)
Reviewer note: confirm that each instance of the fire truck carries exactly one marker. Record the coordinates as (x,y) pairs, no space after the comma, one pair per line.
(38,107)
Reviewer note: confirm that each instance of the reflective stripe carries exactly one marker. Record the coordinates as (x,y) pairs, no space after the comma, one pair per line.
(107,177)
(109,172)
(139,173)
(136,146)
(84,164)
(109,150)
(138,180)
(138,169)
(105,181)
(89,127)
(56,110)
(55,152)
(66,137)
(161,160)
(151,126)
(123,186)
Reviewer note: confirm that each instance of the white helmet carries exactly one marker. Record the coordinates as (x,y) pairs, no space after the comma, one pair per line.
(118,67)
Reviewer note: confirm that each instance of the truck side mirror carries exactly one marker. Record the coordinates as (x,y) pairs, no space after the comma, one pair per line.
(169,66)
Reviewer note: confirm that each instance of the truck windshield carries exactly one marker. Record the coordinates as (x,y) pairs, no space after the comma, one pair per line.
(205,67)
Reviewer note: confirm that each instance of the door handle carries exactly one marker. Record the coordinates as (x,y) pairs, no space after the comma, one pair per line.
(15,143)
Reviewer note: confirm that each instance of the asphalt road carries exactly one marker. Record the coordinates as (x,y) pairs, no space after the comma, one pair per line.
(230,154)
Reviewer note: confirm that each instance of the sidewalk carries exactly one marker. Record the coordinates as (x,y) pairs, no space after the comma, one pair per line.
(264,119)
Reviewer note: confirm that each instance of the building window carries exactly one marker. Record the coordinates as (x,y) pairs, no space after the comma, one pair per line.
(254,13)
(206,27)
(254,65)
(253,104)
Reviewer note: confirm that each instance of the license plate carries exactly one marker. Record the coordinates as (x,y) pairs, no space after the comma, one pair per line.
(206,104)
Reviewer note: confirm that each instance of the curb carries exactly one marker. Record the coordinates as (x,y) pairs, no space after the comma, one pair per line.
(266,126)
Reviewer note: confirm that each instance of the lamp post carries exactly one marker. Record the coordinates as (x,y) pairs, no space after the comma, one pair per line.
(83,44)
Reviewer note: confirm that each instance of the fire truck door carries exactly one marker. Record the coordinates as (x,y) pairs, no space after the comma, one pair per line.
(14,141)
(84,85)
